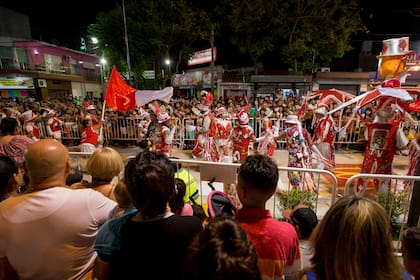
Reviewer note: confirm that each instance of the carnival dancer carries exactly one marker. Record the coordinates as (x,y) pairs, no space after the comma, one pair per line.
(54,125)
(267,142)
(224,128)
(299,146)
(206,146)
(89,141)
(242,135)
(384,138)
(165,130)
(30,127)
(324,136)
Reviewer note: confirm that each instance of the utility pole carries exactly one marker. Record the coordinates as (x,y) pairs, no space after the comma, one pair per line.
(126,43)
(212,59)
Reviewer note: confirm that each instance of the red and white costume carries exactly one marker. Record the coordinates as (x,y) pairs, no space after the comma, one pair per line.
(224,128)
(206,146)
(242,136)
(163,134)
(54,125)
(383,139)
(267,142)
(324,136)
(29,125)
(298,143)
(89,140)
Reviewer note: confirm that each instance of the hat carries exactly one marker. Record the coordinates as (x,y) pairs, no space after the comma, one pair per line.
(160,115)
(395,46)
(206,100)
(163,117)
(90,107)
(243,116)
(29,116)
(292,119)
(321,109)
(220,111)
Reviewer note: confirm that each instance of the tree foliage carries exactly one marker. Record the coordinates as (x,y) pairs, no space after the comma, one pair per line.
(318,31)
(304,34)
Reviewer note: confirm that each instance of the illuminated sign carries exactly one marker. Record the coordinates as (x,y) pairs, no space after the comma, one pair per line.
(201,57)
(16,83)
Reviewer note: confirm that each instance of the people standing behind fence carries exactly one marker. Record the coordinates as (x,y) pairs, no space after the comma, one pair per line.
(276,242)
(54,125)
(89,139)
(224,129)
(410,247)
(153,234)
(324,136)
(242,136)
(353,241)
(222,251)
(299,146)
(48,232)
(206,146)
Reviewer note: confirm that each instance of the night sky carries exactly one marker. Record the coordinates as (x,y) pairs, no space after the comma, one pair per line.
(57,22)
(64,24)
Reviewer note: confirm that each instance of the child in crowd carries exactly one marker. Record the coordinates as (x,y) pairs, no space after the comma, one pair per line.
(89,141)
(304,220)
(410,245)
(222,251)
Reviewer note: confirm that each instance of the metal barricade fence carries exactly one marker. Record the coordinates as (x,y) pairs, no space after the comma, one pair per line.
(127,129)
(224,176)
(396,200)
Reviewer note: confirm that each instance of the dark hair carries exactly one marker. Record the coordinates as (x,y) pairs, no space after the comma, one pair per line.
(8,167)
(260,171)
(8,126)
(75,176)
(306,220)
(222,250)
(176,201)
(411,242)
(150,181)
(85,123)
(199,212)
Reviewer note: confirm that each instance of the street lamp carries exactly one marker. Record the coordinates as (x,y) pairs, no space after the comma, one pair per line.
(168,64)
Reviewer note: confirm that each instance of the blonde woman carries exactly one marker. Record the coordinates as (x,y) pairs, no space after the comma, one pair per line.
(353,241)
(103,165)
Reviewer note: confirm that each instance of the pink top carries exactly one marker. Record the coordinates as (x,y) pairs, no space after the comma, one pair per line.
(187,210)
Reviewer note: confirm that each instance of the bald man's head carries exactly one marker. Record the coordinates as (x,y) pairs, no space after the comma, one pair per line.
(46,160)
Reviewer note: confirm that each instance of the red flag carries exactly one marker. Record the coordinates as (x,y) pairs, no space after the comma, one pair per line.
(119,95)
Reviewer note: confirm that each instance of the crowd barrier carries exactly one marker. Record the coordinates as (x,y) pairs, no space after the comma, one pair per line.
(130,130)
(224,174)
(396,200)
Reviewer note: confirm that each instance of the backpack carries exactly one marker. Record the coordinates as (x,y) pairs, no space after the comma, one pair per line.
(219,204)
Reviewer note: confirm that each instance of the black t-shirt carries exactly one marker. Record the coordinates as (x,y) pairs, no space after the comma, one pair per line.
(155,248)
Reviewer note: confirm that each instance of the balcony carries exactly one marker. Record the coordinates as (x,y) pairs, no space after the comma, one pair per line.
(9,66)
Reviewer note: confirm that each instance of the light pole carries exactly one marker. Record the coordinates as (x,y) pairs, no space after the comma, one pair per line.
(168,64)
(126,43)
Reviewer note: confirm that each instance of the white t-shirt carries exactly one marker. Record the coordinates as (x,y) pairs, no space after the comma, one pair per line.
(49,234)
